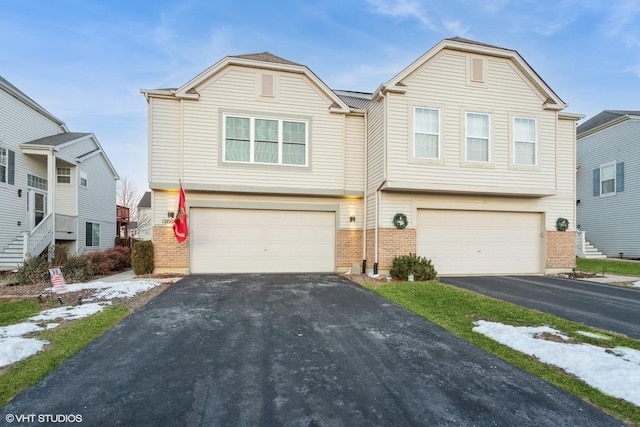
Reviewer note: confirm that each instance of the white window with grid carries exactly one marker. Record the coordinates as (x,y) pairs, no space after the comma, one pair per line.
(265,140)
(524,141)
(64,175)
(477,137)
(426,133)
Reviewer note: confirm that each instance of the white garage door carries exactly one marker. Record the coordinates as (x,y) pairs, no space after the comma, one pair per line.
(479,242)
(261,241)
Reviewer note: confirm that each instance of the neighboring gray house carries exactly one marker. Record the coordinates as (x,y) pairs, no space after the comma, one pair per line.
(56,187)
(143,226)
(608,183)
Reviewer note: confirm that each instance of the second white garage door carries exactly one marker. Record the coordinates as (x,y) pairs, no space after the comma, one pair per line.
(261,241)
(480,242)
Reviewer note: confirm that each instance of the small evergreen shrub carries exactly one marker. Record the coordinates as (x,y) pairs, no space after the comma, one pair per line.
(142,257)
(420,267)
(34,270)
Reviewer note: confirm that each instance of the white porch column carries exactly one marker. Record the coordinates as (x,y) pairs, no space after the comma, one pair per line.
(51,197)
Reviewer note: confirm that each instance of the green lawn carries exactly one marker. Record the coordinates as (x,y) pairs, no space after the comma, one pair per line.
(609,266)
(17,311)
(456,309)
(64,341)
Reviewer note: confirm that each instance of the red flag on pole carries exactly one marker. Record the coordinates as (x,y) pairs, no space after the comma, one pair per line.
(180,227)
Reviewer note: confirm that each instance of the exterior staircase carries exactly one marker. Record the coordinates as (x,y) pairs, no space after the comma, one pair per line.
(11,257)
(584,249)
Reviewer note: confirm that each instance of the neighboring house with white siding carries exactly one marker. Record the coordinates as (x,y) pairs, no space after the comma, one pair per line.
(56,187)
(608,195)
(284,174)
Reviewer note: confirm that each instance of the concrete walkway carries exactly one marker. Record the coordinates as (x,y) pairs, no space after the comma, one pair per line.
(129,275)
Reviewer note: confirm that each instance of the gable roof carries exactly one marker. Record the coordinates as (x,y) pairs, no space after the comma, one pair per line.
(264,60)
(21,96)
(145,200)
(56,140)
(266,57)
(604,119)
(552,101)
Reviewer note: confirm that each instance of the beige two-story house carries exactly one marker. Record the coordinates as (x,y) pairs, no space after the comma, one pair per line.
(464,157)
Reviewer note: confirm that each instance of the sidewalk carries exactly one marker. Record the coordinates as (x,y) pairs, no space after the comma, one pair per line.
(612,279)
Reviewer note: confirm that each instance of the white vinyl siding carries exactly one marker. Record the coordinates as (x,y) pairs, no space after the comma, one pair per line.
(100,210)
(477,137)
(507,94)
(187,138)
(354,163)
(524,141)
(426,124)
(610,223)
(267,141)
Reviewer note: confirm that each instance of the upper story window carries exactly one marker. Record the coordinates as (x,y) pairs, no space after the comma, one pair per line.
(426,133)
(608,179)
(4,169)
(64,175)
(265,141)
(524,141)
(477,137)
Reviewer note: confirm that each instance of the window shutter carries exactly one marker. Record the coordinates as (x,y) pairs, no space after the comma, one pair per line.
(596,182)
(619,176)
(12,168)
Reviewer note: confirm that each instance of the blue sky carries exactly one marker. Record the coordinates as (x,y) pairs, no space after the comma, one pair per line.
(85,61)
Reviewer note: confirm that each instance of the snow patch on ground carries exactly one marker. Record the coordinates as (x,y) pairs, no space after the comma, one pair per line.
(615,372)
(15,347)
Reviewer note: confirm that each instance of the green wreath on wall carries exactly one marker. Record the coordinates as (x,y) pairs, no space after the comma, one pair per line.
(400,221)
(562,224)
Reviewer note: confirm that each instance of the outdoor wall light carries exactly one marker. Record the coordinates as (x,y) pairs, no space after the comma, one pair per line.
(352,219)
(19,192)
(170,214)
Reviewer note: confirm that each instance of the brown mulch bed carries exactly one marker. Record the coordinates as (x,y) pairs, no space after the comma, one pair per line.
(48,299)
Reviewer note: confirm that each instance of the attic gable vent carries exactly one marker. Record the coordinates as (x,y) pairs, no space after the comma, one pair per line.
(268,86)
(477,70)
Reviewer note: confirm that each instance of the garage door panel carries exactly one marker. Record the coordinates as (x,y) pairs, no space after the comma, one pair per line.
(480,242)
(261,241)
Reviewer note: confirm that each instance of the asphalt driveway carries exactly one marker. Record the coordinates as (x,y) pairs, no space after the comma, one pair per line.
(609,307)
(294,350)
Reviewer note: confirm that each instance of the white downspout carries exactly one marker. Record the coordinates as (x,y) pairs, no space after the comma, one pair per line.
(384,160)
(366,181)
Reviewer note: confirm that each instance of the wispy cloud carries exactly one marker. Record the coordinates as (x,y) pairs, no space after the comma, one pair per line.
(404,9)
(623,21)
(457,28)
